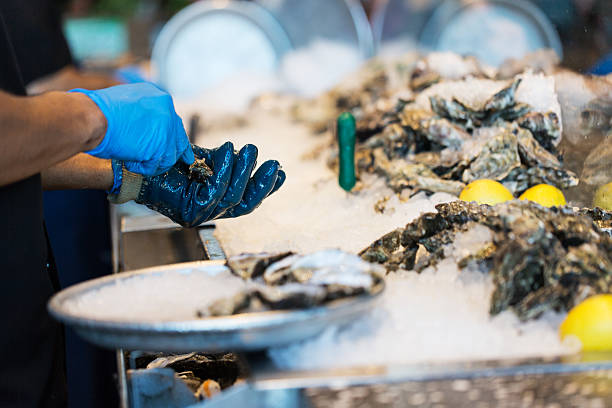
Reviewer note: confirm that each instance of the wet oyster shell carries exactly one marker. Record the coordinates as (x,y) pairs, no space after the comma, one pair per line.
(521,178)
(498,157)
(251,266)
(199,171)
(298,282)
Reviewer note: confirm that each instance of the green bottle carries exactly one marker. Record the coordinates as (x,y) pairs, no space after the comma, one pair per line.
(346,144)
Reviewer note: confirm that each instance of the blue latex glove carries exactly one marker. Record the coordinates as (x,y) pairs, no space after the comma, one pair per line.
(143,128)
(230,191)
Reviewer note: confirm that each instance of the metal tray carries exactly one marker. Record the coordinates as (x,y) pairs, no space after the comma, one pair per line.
(337,21)
(242,332)
(209,41)
(535,29)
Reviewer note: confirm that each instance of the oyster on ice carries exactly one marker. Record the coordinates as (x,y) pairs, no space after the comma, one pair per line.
(300,281)
(555,258)
(438,143)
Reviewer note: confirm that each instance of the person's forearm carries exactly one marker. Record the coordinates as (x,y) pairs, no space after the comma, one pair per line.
(39,132)
(79,172)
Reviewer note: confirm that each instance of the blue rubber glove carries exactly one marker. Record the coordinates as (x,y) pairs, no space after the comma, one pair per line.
(143,128)
(230,191)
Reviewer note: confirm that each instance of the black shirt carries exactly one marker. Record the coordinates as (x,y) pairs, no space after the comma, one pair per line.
(31,343)
(42,50)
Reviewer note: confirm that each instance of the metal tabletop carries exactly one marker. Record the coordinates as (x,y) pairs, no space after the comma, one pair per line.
(576,381)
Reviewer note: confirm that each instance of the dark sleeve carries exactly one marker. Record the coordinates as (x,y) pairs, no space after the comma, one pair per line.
(10,77)
(35,27)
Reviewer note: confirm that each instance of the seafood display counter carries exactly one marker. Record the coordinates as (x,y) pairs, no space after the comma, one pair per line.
(254,380)
(474,295)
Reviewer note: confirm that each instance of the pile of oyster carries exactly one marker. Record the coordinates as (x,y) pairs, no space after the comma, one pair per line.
(381,83)
(289,281)
(419,136)
(443,148)
(540,258)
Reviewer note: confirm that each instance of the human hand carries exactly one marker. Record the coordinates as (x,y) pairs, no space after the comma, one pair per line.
(228,193)
(143,129)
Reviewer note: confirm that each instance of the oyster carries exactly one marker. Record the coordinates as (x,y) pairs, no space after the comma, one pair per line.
(298,282)
(251,266)
(403,175)
(445,133)
(422,79)
(556,257)
(454,110)
(521,178)
(511,113)
(503,99)
(262,298)
(329,267)
(440,131)
(531,151)
(199,171)
(389,251)
(545,127)
(413,117)
(497,158)
(192,368)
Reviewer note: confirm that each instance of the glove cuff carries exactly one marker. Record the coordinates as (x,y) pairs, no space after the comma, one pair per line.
(130,188)
(101,150)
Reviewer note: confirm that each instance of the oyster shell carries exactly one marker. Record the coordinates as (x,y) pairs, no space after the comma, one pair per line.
(545,127)
(251,266)
(503,99)
(297,282)
(521,178)
(497,158)
(531,151)
(192,368)
(402,175)
(199,171)
(455,111)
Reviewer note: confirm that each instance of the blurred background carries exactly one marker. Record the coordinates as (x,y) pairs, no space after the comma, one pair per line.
(120,31)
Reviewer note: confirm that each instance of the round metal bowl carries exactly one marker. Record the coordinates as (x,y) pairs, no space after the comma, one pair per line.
(337,21)
(210,41)
(466,27)
(247,331)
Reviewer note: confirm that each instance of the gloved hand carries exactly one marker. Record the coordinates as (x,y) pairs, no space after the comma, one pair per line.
(229,192)
(143,129)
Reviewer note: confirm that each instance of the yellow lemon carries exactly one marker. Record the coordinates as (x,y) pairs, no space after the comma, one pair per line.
(486,192)
(603,197)
(545,195)
(591,323)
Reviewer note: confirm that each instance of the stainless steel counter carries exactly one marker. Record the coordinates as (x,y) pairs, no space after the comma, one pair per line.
(592,388)
(578,381)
